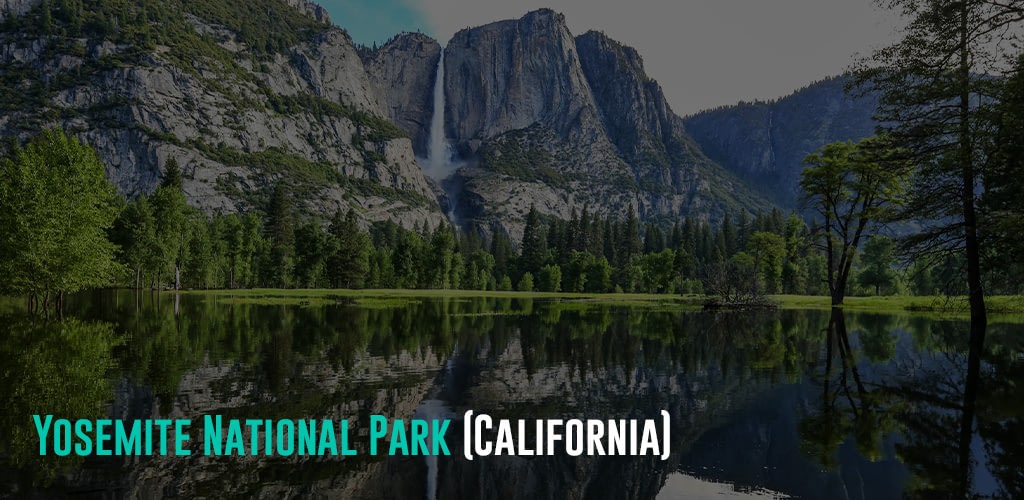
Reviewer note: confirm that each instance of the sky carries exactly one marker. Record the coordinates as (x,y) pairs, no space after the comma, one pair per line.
(704,53)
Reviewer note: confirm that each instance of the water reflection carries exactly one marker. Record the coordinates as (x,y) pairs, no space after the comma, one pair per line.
(49,367)
(811,404)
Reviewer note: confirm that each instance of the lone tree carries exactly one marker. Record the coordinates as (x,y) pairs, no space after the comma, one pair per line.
(55,208)
(850,186)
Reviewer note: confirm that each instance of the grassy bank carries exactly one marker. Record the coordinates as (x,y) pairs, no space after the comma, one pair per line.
(399,296)
(955,306)
(1004,304)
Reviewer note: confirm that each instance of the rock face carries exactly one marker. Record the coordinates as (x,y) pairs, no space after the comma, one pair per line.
(16,8)
(510,75)
(633,108)
(313,10)
(238,121)
(403,71)
(543,118)
(765,142)
(647,134)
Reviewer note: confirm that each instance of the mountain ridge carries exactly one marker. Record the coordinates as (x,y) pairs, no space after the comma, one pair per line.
(538,116)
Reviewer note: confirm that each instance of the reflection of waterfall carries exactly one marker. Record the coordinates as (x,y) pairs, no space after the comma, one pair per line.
(438,164)
(435,409)
(432,409)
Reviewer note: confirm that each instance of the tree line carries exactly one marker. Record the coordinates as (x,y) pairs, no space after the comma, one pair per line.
(165,243)
(67,230)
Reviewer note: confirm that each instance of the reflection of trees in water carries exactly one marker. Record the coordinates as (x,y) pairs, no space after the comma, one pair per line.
(616,360)
(846,406)
(1001,424)
(935,398)
(164,342)
(50,367)
(279,351)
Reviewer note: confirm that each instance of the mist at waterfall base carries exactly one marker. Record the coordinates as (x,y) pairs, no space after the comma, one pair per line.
(439,163)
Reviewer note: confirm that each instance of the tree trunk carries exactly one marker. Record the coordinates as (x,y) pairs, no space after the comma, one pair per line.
(976,294)
(839,290)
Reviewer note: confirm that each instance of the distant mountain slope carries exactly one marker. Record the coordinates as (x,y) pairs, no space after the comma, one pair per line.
(242,94)
(765,142)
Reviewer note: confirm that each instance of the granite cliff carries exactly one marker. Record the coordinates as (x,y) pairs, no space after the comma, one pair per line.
(243,95)
(538,116)
(403,71)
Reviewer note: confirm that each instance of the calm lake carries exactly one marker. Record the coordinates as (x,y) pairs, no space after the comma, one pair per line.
(786,404)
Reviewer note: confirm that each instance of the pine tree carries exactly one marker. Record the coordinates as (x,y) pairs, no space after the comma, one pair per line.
(313,249)
(534,246)
(728,237)
(280,235)
(501,249)
(628,240)
(171,177)
(440,258)
(350,262)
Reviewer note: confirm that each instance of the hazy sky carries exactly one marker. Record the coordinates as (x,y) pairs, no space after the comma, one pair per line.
(704,53)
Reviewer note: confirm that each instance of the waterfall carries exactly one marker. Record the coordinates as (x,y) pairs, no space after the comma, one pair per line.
(438,164)
(438,154)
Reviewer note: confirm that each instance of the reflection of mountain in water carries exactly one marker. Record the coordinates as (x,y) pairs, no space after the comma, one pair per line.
(734,385)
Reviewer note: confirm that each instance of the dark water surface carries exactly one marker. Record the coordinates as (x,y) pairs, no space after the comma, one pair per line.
(763,405)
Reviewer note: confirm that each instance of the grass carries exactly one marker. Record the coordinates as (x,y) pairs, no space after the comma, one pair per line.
(274,300)
(946,306)
(399,297)
(934,305)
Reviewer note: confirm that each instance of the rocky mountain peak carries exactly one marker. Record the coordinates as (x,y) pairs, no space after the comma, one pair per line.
(512,74)
(311,9)
(403,71)
(633,107)
(597,42)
